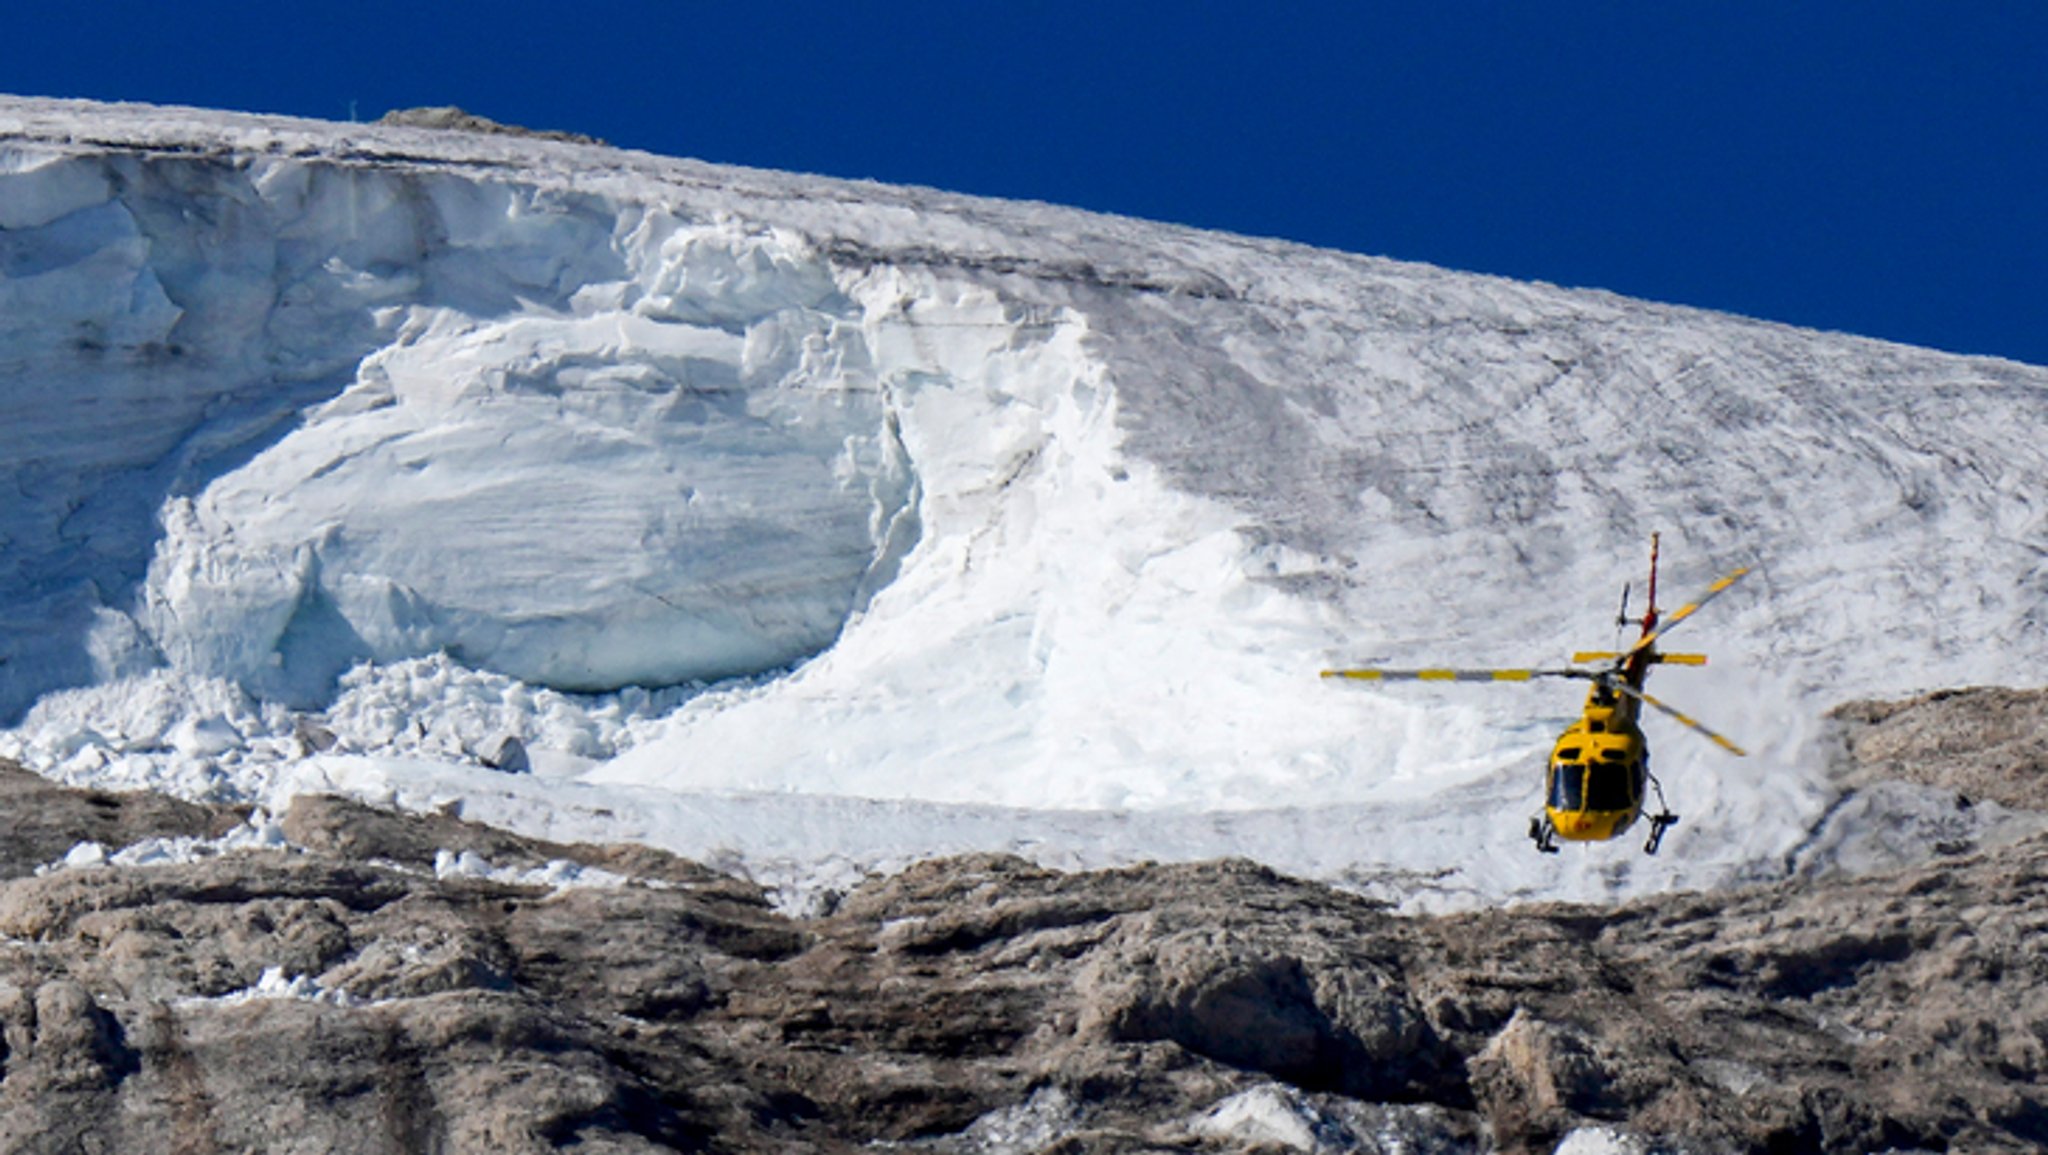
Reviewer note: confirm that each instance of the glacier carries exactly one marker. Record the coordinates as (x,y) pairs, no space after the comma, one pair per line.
(812,526)
(269,342)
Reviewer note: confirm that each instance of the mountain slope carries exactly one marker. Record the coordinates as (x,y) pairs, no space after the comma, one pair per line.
(350,979)
(421,440)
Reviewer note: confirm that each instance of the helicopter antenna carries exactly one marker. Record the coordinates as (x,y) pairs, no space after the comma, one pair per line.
(1650,616)
(1621,619)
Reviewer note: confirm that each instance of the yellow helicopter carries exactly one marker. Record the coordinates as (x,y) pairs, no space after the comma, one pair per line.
(1594,788)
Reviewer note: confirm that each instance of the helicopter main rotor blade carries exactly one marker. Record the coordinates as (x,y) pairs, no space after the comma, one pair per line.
(1376,675)
(1685,611)
(1693,723)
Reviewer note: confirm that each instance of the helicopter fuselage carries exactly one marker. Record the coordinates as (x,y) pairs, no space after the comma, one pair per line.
(1598,769)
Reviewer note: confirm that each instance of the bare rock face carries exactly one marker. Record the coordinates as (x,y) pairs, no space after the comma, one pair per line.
(1315,1015)
(343,997)
(44,821)
(349,830)
(452,119)
(1984,743)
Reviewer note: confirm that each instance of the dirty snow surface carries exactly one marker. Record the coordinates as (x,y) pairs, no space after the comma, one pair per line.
(810,527)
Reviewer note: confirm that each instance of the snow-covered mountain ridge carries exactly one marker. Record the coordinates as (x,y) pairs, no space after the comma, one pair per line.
(419,439)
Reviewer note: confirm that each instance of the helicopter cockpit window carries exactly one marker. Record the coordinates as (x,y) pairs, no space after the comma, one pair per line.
(1568,754)
(1608,788)
(1567,786)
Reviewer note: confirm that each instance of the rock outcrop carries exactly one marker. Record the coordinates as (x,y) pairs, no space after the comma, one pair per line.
(418,983)
(450,118)
(1984,743)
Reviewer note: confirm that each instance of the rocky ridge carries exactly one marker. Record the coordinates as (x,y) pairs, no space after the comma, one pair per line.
(1985,743)
(452,119)
(390,982)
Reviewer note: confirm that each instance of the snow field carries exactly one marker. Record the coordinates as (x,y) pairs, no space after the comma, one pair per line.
(346,454)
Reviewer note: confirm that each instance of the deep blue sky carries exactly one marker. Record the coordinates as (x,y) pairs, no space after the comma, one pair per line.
(1867,165)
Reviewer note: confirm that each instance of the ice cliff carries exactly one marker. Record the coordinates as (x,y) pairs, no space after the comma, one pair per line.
(268,418)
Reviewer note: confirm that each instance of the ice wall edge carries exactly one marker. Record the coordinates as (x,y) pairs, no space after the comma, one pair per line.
(269,417)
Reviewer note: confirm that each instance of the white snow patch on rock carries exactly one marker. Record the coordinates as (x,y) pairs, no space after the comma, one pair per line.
(1269,1114)
(1601,1141)
(258,832)
(557,874)
(273,984)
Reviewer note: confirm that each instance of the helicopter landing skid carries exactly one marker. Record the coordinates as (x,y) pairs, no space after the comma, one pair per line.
(1543,834)
(1661,821)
